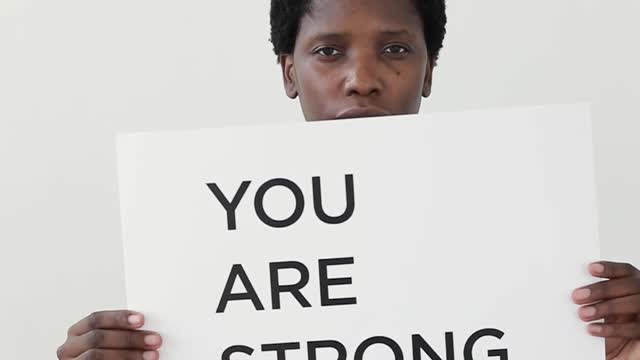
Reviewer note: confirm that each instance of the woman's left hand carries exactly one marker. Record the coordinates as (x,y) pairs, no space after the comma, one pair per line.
(617,301)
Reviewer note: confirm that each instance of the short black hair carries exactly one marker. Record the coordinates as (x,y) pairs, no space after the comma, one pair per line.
(286,15)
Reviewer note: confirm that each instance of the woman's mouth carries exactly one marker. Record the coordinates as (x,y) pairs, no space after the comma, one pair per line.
(358,112)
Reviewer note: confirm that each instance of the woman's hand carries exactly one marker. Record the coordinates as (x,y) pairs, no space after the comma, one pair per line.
(617,301)
(110,335)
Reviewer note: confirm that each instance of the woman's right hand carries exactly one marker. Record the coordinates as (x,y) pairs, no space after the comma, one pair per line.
(110,335)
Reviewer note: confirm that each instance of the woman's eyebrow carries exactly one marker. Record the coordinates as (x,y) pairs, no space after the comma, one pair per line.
(329,36)
(345,35)
(397,33)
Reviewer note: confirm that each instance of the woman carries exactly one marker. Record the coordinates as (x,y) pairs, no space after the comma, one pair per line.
(360,58)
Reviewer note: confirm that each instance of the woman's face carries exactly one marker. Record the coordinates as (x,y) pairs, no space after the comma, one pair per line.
(356,58)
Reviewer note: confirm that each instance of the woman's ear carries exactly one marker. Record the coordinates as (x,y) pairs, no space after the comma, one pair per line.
(428,78)
(288,75)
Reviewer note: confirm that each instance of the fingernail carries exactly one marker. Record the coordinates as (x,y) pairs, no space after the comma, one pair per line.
(152,339)
(597,268)
(595,329)
(581,294)
(588,311)
(135,319)
(149,355)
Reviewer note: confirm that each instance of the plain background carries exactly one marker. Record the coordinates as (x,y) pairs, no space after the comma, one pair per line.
(73,73)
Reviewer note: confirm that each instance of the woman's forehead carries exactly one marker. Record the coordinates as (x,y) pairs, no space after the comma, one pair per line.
(335,16)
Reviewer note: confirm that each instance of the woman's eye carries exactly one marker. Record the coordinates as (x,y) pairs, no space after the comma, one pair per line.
(327,51)
(396,49)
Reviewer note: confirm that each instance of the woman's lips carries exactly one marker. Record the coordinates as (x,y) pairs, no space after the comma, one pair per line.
(357,112)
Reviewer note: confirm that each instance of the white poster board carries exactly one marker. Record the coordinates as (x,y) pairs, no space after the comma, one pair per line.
(444,236)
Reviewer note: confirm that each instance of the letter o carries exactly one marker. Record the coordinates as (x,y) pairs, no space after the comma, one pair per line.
(259,203)
(397,351)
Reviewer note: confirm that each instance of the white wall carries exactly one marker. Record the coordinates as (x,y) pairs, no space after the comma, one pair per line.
(75,72)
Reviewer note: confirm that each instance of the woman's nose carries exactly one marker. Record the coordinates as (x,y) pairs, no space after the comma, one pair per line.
(362,78)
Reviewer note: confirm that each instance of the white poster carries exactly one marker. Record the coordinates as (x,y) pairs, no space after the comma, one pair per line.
(445,236)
